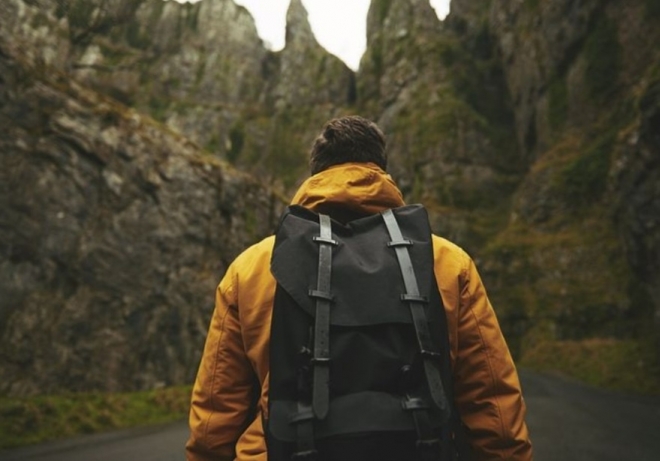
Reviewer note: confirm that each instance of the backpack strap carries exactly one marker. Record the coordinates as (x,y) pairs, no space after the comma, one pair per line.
(428,444)
(416,302)
(321,352)
(303,420)
(320,360)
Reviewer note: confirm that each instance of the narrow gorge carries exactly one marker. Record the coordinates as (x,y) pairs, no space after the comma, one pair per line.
(146,143)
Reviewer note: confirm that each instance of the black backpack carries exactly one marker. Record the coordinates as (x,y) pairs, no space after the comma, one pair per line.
(359,351)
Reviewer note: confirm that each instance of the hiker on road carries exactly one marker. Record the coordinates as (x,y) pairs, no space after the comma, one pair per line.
(446,389)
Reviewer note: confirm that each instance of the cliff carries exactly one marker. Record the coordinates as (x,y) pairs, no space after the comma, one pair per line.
(114,232)
(583,79)
(528,128)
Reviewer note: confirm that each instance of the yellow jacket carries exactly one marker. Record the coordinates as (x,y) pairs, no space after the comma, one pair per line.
(235,361)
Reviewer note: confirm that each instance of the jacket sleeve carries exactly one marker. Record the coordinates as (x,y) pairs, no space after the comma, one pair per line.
(221,396)
(487,389)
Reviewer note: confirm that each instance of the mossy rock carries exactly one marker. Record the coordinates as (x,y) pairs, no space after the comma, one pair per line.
(583,180)
(602,52)
(30,420)
(557,102)
(627,365)
(652,8)
(575,278)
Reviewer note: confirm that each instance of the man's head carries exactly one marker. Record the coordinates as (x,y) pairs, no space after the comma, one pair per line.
(348,139)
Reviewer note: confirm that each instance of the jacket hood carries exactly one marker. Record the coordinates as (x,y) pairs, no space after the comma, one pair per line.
(350,190)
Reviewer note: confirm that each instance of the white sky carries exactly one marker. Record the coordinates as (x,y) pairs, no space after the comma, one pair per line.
(340,26)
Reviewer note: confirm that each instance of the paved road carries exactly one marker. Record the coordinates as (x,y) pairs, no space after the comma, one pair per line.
(568,421)
(159,443)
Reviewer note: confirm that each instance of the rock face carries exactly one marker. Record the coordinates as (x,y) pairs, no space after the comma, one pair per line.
(439,97)
(172,61)
(202,70)
(525,127)
(636,178)
(114,233)
(582,78)
(529,128)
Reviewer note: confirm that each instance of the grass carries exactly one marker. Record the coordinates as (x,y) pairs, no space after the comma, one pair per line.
(31,420)
(624,365)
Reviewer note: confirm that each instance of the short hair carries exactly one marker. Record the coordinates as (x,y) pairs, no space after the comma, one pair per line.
(348,139)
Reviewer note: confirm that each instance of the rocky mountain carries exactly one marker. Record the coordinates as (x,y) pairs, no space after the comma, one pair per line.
(115,229)
(148,142)
(583,79)
(202,70)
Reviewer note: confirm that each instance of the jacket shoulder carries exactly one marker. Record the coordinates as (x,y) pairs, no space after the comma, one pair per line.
(255,256)
(449,256)
(249,277)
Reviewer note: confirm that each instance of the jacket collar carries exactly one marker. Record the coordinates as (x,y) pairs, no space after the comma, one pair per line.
(350,190)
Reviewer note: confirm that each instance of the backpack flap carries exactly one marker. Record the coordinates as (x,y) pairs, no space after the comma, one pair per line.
(365,275)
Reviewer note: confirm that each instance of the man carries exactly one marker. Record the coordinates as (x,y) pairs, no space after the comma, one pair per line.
(348,164)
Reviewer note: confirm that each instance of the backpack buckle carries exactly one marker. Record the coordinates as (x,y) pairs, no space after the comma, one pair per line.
(317,294)
(400,243)
(414,298)
(307,455)
(329,241)
(414,403)
(430,354)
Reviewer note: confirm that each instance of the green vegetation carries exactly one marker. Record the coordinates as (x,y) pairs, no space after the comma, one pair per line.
(567,279)
(557,102)
(583,180)
(652,8)
(135,36)
(237,139)
(31,420)
(61,9)
(287,148)
(201,68)
(115,54)
(158,107)
(192,15)
(436,120)
(531,4)
(213,146)
(382,8)
(626,365)
(602,52)
(40,20)
(477,78)
(80,13)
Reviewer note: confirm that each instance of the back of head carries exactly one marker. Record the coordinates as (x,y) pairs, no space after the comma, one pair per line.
(348,139)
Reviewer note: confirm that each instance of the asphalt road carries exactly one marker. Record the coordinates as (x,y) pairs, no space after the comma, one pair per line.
(568,421)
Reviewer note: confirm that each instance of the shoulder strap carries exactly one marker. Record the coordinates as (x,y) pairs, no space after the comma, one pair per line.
(416,304)
(321,357)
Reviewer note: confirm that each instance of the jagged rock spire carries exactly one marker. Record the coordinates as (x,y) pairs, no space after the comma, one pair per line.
(298,28)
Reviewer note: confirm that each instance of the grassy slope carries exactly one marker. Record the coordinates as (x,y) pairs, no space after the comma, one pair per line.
(31,420)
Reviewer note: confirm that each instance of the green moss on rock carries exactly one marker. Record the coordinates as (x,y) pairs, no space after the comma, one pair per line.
(25,421)
(602,52)
(80,13)
(583,180)
(382,9)
(652,8)
(135,35)
(531,4)
(557,102)
(626,365)
(574,280)
(237,139)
